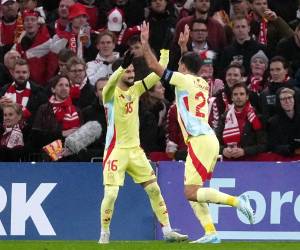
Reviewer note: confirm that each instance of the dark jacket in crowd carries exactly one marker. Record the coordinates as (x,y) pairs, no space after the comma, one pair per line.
(87,96)
(161,29)
(253,142)
(268,100)
(96,112)
(291,52)
(245,51)
(284,132)
(46,128)
(277,30)
(5,77)
(152,136)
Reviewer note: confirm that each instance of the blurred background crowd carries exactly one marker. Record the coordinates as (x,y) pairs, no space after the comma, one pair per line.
(56,57)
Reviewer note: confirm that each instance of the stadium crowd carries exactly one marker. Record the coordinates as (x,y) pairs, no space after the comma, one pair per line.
(56,57)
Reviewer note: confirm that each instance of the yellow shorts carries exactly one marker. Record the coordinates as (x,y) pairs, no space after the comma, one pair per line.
(202,156)
(130,160)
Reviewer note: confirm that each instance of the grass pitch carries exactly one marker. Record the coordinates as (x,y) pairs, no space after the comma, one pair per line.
(147,245)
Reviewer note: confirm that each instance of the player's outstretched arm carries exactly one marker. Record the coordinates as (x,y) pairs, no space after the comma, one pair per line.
(109,89)
(150,58)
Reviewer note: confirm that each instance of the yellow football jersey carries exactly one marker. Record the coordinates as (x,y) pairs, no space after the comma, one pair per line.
(122,108)
(192,106)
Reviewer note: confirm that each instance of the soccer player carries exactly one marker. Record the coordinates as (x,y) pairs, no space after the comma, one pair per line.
(122,151)
(203,146)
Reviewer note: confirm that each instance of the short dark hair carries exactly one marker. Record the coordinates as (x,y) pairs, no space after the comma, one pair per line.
(20,62)
(105,78)
(240,85)
(199,20)
(280,59)
(237,66)
(65,54)
(133,40)
(192,61)
(54,81)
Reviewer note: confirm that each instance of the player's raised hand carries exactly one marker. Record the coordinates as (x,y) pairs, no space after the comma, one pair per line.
(184,36)
(144,33)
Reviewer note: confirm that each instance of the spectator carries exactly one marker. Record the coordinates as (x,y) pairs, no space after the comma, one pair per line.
(216,35)
(77,35)
(239,8)
(285,9)
(181,9)
(35,48)
(96,112)
(23,92)
(267,27)
(133,10)
(197,42)
(11,26)
(135,46)
(93,12)
(6,70)
(63,57)
(101,66)
(207,72)
(12,145)
(289,48)
(162,23)
(257,79)
(219,103)
(57,118)
(278,78)
(240,131)
(283,130)
(243,47)
(153,116)
(60,23)
(176,147)
(81,92)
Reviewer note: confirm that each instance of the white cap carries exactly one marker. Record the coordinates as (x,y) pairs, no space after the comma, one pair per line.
(115,20)
(5,1)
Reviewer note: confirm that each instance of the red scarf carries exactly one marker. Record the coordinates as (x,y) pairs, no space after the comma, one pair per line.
(12,137)
(256,84)
(65,113)
(76,89)
(20,96)
(262,37)
(235,123)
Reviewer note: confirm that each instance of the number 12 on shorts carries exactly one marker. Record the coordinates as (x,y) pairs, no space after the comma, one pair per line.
(112,165)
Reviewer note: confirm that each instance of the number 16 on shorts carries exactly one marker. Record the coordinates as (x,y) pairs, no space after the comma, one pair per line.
(112,165)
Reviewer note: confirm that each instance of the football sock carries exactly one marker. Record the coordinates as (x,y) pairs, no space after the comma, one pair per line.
(202,213)
(211,195)
(158,204)
(107,206)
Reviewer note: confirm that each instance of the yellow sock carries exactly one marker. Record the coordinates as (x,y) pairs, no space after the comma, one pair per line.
(107,206)
(210,195)
(202,213)
(157,203)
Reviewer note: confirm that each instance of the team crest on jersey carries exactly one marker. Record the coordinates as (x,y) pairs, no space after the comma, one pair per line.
(128,98)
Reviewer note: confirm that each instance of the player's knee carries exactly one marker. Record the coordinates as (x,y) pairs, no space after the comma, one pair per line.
(153,190)
(111,193)
(190,193)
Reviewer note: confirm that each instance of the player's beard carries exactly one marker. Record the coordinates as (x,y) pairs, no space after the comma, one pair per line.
(129,82)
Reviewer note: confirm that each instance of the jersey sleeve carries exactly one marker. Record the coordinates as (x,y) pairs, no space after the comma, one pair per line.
(178,79)
(110,86)
(149,81)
